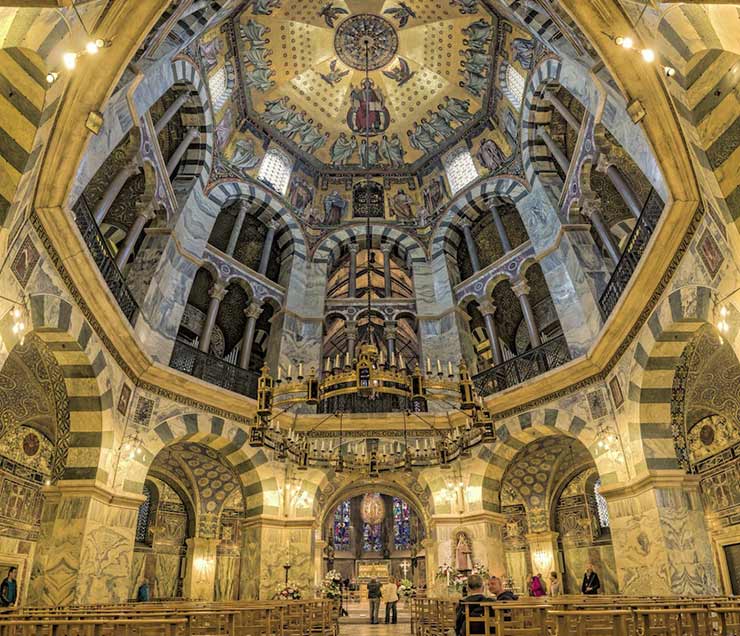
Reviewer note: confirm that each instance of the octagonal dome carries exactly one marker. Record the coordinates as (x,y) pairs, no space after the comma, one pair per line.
(303,72)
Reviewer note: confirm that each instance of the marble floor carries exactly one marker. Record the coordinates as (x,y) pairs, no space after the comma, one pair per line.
(355,629)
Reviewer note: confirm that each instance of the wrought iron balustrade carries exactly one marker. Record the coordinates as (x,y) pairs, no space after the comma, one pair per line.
(381,403)
(213,370)
(632,254)
(103,258)
(530,364)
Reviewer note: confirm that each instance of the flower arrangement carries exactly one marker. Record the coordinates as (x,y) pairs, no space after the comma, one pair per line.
(481,569)
(456,580)
(331,586)
(289,592)
(406,589)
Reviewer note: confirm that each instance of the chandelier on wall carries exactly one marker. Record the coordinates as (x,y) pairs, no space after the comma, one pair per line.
(370,377)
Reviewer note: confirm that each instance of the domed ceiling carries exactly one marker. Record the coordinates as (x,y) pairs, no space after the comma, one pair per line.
(303,78)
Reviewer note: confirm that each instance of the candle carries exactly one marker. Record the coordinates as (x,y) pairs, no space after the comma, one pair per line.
(439,367)
(280,372)
(328,364)
(429,365)
(393,358)
(338,361)
(346,359)
(382,358)
(300,369)
(449,368)
(401,362)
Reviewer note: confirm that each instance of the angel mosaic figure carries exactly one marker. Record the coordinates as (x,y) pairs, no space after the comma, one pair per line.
(335,75)
(330,13)
(490,155)
(466,6)
(402,206)
(402,74)
(264,7)
(403,13)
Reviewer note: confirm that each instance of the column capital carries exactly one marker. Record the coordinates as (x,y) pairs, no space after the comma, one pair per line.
(466,223)
(273,225)
(147,209)
(353,248)
(253,310)
(386,248)
(486,307)
(590,202)
(350,328)
(520,288)
(193,132)
(218,290)
(390,330)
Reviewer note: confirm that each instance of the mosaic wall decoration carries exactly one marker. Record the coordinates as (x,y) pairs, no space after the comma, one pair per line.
(25,261)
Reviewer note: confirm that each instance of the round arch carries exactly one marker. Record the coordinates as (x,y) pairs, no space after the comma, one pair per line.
(330,247)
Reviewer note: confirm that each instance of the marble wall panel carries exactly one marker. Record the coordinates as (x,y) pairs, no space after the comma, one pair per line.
(227,577)
(576,559)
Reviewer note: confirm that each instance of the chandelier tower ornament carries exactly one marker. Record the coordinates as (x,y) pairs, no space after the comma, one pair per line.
(356,32)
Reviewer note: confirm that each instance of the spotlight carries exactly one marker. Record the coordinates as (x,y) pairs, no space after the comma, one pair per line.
(625,42)
(70,60)
(92,47)
(51,77)
(669,71)
(648,55)
(102,44)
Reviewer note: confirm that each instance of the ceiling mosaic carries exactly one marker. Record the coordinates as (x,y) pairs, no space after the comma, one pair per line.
(303,76)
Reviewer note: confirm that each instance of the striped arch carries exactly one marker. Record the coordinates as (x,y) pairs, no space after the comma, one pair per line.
(86,380)
(536,157)
(197,112)
(223,436)
(468,206)
(331,246)
(670,327)
(516,432)
(537,21)
(290,237)
(701,43)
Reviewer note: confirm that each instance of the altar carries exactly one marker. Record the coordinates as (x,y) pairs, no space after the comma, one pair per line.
(367,570)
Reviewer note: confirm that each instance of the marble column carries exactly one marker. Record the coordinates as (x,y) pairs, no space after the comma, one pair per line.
(554,149)
(200,568)
(521,289)
(145,212)
(171,112)
(467,228)
(390,333)
(252,313)
(592,212)
(272,227)
(661,543)
(85,548)
(176,158)
(607,166)
(354,248)
(350,329)
(114,189)
(501,229)
(237,229)
(217,294)
(387,281)
(488,311)
(565,113)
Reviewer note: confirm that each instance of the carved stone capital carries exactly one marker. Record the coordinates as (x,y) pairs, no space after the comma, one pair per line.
(354,248)
(218,290)
(486,307)
(390,330)
(520,288)
(386,248)
(350,329)
(253,310)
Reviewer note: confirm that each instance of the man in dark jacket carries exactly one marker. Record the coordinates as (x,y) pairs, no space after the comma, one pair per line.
(8,589)
(473,600)
(591,583)
(374,594)
(496,589)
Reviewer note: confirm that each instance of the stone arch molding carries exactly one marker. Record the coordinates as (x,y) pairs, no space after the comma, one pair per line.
(670,326)
(87,451)
(259,487)
(225,193)
(330,247)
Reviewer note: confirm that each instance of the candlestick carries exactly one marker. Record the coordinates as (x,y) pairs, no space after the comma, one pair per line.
(300,369)
(393,358)
(401,362)
(337,362)
(328,364)
(429,365)
(290,368)
(449,368)
(347,361)
(439,366)
(280,372)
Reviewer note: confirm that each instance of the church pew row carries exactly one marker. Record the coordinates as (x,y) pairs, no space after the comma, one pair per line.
(270,618)
(585,616)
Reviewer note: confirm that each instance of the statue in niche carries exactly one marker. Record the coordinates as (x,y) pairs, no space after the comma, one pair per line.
(329,555)
(334,208)
(522,51)
(301,193)
(463,553)
(490,155)
(401,205)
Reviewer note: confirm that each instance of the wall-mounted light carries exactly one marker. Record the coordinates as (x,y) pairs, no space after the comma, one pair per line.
(18,314)
(69,59)
(648,55)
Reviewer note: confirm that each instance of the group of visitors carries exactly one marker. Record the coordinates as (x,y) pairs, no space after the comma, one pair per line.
(496,592)
(388,593)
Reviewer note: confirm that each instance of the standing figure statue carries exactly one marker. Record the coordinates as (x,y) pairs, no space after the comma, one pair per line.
(463,559)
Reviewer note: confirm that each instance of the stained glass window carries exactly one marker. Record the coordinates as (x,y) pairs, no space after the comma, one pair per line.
(142,523)
(372,539)
(460,169)
(275,170)
(513,87)
(401,524)
(601,506)
(342,536)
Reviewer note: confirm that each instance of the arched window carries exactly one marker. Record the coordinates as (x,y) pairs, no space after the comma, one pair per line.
(513,86)
(275,170)
(341,535)
(142,522)
(401,524)
(460,169)
(601,507)
(219,87)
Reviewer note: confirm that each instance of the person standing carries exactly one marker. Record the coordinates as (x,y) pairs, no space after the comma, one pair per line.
(142,594)
(374,595)
(591,583)
(556,588)
(390,596)
(536,586)
(9,589)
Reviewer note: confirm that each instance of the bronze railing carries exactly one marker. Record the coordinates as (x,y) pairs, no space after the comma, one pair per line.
(530,364)
(633,251)
(103,258)
(213,370)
